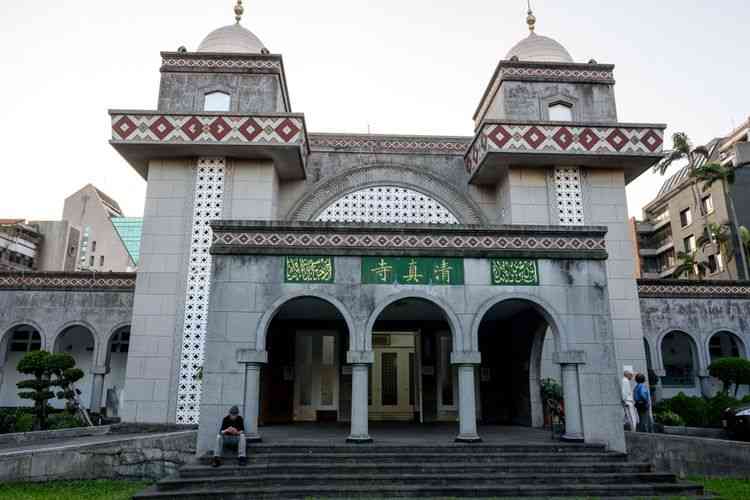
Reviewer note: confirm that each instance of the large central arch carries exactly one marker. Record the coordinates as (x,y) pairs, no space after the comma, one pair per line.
(326,192)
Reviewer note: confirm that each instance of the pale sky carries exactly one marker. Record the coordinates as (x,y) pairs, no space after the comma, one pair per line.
(399,66)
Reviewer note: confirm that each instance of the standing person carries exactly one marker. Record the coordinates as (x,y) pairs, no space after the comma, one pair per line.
(233,432)
(628,403)
(642,397)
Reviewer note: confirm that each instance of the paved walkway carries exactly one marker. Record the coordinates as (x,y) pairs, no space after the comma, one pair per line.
(76,442)
(399,434)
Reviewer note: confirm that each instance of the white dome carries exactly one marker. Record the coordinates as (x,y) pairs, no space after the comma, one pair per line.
(232,39)
(536,48)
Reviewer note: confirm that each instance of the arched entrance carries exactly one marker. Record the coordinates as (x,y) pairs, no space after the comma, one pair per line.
(725,345)
(116,364)
(79,341)
(515,342)
(412,378)
(303,381)
(16,343)
(680,359)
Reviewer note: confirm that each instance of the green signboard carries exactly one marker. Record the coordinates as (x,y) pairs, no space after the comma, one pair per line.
(308,270)
(518,272)
(412,271)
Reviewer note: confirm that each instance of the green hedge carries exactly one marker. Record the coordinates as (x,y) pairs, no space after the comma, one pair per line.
(696,411)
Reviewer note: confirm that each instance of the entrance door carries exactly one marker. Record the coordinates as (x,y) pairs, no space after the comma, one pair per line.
(316,384)
(394,395)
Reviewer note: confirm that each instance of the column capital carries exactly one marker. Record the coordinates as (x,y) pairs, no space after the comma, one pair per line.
(360,357)
(569,358)
(466,358)
(252,357)
(99,370)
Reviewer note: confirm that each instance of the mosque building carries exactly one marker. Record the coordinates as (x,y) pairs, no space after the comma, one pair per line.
(311,277)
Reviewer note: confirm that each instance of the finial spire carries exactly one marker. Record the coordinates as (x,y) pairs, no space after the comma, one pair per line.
(531,19)
(238,11)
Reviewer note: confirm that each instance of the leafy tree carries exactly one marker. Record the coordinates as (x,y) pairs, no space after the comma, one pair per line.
(38,389)
(710,173)
(721,235)
(689,265)
(732,372)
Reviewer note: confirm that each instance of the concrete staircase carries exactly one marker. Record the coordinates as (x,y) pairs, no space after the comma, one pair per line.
(455,471)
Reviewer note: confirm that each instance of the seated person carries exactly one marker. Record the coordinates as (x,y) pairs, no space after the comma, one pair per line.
(232,432)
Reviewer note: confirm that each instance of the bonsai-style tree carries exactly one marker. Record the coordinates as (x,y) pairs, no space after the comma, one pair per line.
(710,173)
(732,372)
(689,265)
(38,389)
(62,367)
(721,235)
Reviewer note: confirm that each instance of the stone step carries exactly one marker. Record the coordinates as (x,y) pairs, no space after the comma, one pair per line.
(289,492)
(230,468)
(448,449)
(428,457)
(377,480)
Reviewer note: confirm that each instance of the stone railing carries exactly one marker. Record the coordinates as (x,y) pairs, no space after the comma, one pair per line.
(310,238)
(502,143)
(67,281)
(693,289)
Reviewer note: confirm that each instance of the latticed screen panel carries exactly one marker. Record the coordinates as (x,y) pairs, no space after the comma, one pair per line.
(388,205)
(207,206)
(569,196)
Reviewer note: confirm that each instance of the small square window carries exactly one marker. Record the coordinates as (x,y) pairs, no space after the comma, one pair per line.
(91,261)
(560,112)
(708,204)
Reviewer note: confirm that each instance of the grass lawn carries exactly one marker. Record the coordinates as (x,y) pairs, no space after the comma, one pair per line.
(726,489)
(71,490)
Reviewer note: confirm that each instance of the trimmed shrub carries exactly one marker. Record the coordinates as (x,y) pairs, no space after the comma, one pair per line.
(64,421)
(716,406)
(669,418)
(693,410)
(732,372)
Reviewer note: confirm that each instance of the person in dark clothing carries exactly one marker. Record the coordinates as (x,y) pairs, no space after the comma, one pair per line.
(642,398)
(232,432)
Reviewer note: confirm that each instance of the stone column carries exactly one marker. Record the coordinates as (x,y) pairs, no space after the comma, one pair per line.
(467,405)
(253,361)
(569,360)
(97,387)
(361,362)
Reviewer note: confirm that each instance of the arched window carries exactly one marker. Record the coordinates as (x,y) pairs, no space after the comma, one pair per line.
(25,339)
(678,354)
(724,345)
(560,112)
(120,342)
(217,101)
(387,205)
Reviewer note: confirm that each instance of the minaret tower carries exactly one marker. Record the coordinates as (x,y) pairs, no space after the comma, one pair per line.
(219,143)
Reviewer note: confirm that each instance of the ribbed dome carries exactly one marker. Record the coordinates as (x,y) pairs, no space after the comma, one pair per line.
(232,39)
(536,48)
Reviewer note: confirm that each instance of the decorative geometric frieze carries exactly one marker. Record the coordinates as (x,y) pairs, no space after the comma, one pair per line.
(387,205)
(389,144)
(686,289)
(67,281)
(569,196)
(207,206)
(456,241)
(174,61)
(575,140)
(208,129)
(514,272)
